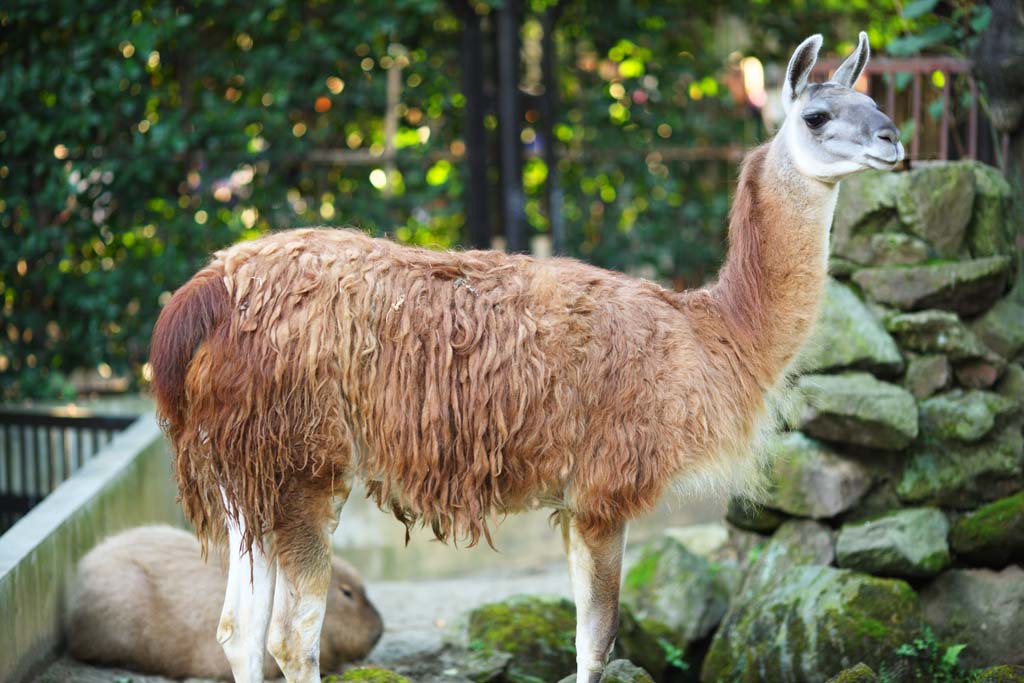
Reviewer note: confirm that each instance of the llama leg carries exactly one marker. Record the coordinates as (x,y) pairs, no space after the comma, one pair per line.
(595,566)
(300,598)
(242,630)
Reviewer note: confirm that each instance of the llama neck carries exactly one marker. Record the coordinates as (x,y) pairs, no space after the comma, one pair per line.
(771,285)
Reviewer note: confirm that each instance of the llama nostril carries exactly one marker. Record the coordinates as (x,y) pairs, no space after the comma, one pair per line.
(890,135)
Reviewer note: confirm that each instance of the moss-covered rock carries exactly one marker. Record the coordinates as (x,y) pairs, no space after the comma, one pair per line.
(993,228)
(936,332)
(993,535)
(927,374)
(811,624)
(539,633)
(366,674)
(962,475)
(966,416)
(808,479)
(907,543)
(981,608)
(897,249)
(1004,673)
(1012,384)
(866,206)
(855,408)
(619,671)
(1002,327)
(861,673)
(675,591)
(935,203)
(966,287)
(753,516)
(848,336)
(797,543)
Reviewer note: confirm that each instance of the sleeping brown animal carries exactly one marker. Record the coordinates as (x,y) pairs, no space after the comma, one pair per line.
(144,599)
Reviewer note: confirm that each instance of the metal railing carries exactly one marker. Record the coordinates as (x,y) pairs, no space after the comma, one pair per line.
(931,139)
(41,448)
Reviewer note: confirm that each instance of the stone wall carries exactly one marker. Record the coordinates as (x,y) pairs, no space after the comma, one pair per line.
(890,542)
(894,526)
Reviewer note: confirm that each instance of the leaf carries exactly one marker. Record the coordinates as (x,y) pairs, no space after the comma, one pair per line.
(919,8)
(981,19)
(907,46)
(952,655)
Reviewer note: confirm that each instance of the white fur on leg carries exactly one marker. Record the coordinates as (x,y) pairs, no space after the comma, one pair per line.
(298,615)
(242,630)
(596,605)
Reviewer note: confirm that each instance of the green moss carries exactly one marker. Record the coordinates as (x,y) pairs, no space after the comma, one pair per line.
(642,573)
(1007,673)
(537,632)
(367,674)
(994,534)
(872,628)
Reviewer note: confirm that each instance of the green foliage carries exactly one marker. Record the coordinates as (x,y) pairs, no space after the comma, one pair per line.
(927,660)
(673,655)
(138,136)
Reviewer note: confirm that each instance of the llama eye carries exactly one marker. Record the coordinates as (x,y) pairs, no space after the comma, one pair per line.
(347,592)
(816,119)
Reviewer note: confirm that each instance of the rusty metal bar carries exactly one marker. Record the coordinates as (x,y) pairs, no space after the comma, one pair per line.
(972,120)
(890,95)
(944,121)
(915,142)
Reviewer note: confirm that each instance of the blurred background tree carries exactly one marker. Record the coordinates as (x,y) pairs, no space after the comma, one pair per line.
(138,136)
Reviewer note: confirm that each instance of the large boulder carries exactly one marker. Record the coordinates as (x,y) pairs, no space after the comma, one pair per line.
(849,336)
(993,228)
(811,624)
(1004,673)
(861,673)
(866,206)
(983,609)
(966,287)
(1002,327)
(619,671)
(908,543)
(927,374)
(962,475)
(935,204)
(966,416)
(798,542)
(855,408)
(1012,384)
(675,594)
(936,332)
(992,535)
(538,632)
(810,480)
(366,674)
(753,516)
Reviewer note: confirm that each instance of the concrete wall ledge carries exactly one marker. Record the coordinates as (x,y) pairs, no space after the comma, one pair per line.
(128,483)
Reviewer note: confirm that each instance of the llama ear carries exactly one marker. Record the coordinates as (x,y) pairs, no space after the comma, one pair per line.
(800,65)
(849,71)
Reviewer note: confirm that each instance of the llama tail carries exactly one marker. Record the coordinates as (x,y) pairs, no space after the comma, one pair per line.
(187,319)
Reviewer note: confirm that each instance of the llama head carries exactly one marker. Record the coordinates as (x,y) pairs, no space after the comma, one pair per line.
(831,130)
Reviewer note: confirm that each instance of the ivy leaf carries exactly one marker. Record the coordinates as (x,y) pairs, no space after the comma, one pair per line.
(907,46)
(919,8)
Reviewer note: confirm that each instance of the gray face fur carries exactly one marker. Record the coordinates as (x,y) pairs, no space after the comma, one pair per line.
(831,130)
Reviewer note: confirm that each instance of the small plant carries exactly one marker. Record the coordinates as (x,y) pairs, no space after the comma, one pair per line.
(927,660)
(673,655)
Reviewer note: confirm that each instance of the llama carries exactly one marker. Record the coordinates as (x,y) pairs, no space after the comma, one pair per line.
(144,599)
(463,386)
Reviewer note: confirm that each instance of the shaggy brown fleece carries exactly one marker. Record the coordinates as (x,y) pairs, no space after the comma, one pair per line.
(462,385)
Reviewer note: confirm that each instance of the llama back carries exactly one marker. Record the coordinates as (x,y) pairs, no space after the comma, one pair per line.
(145,599)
